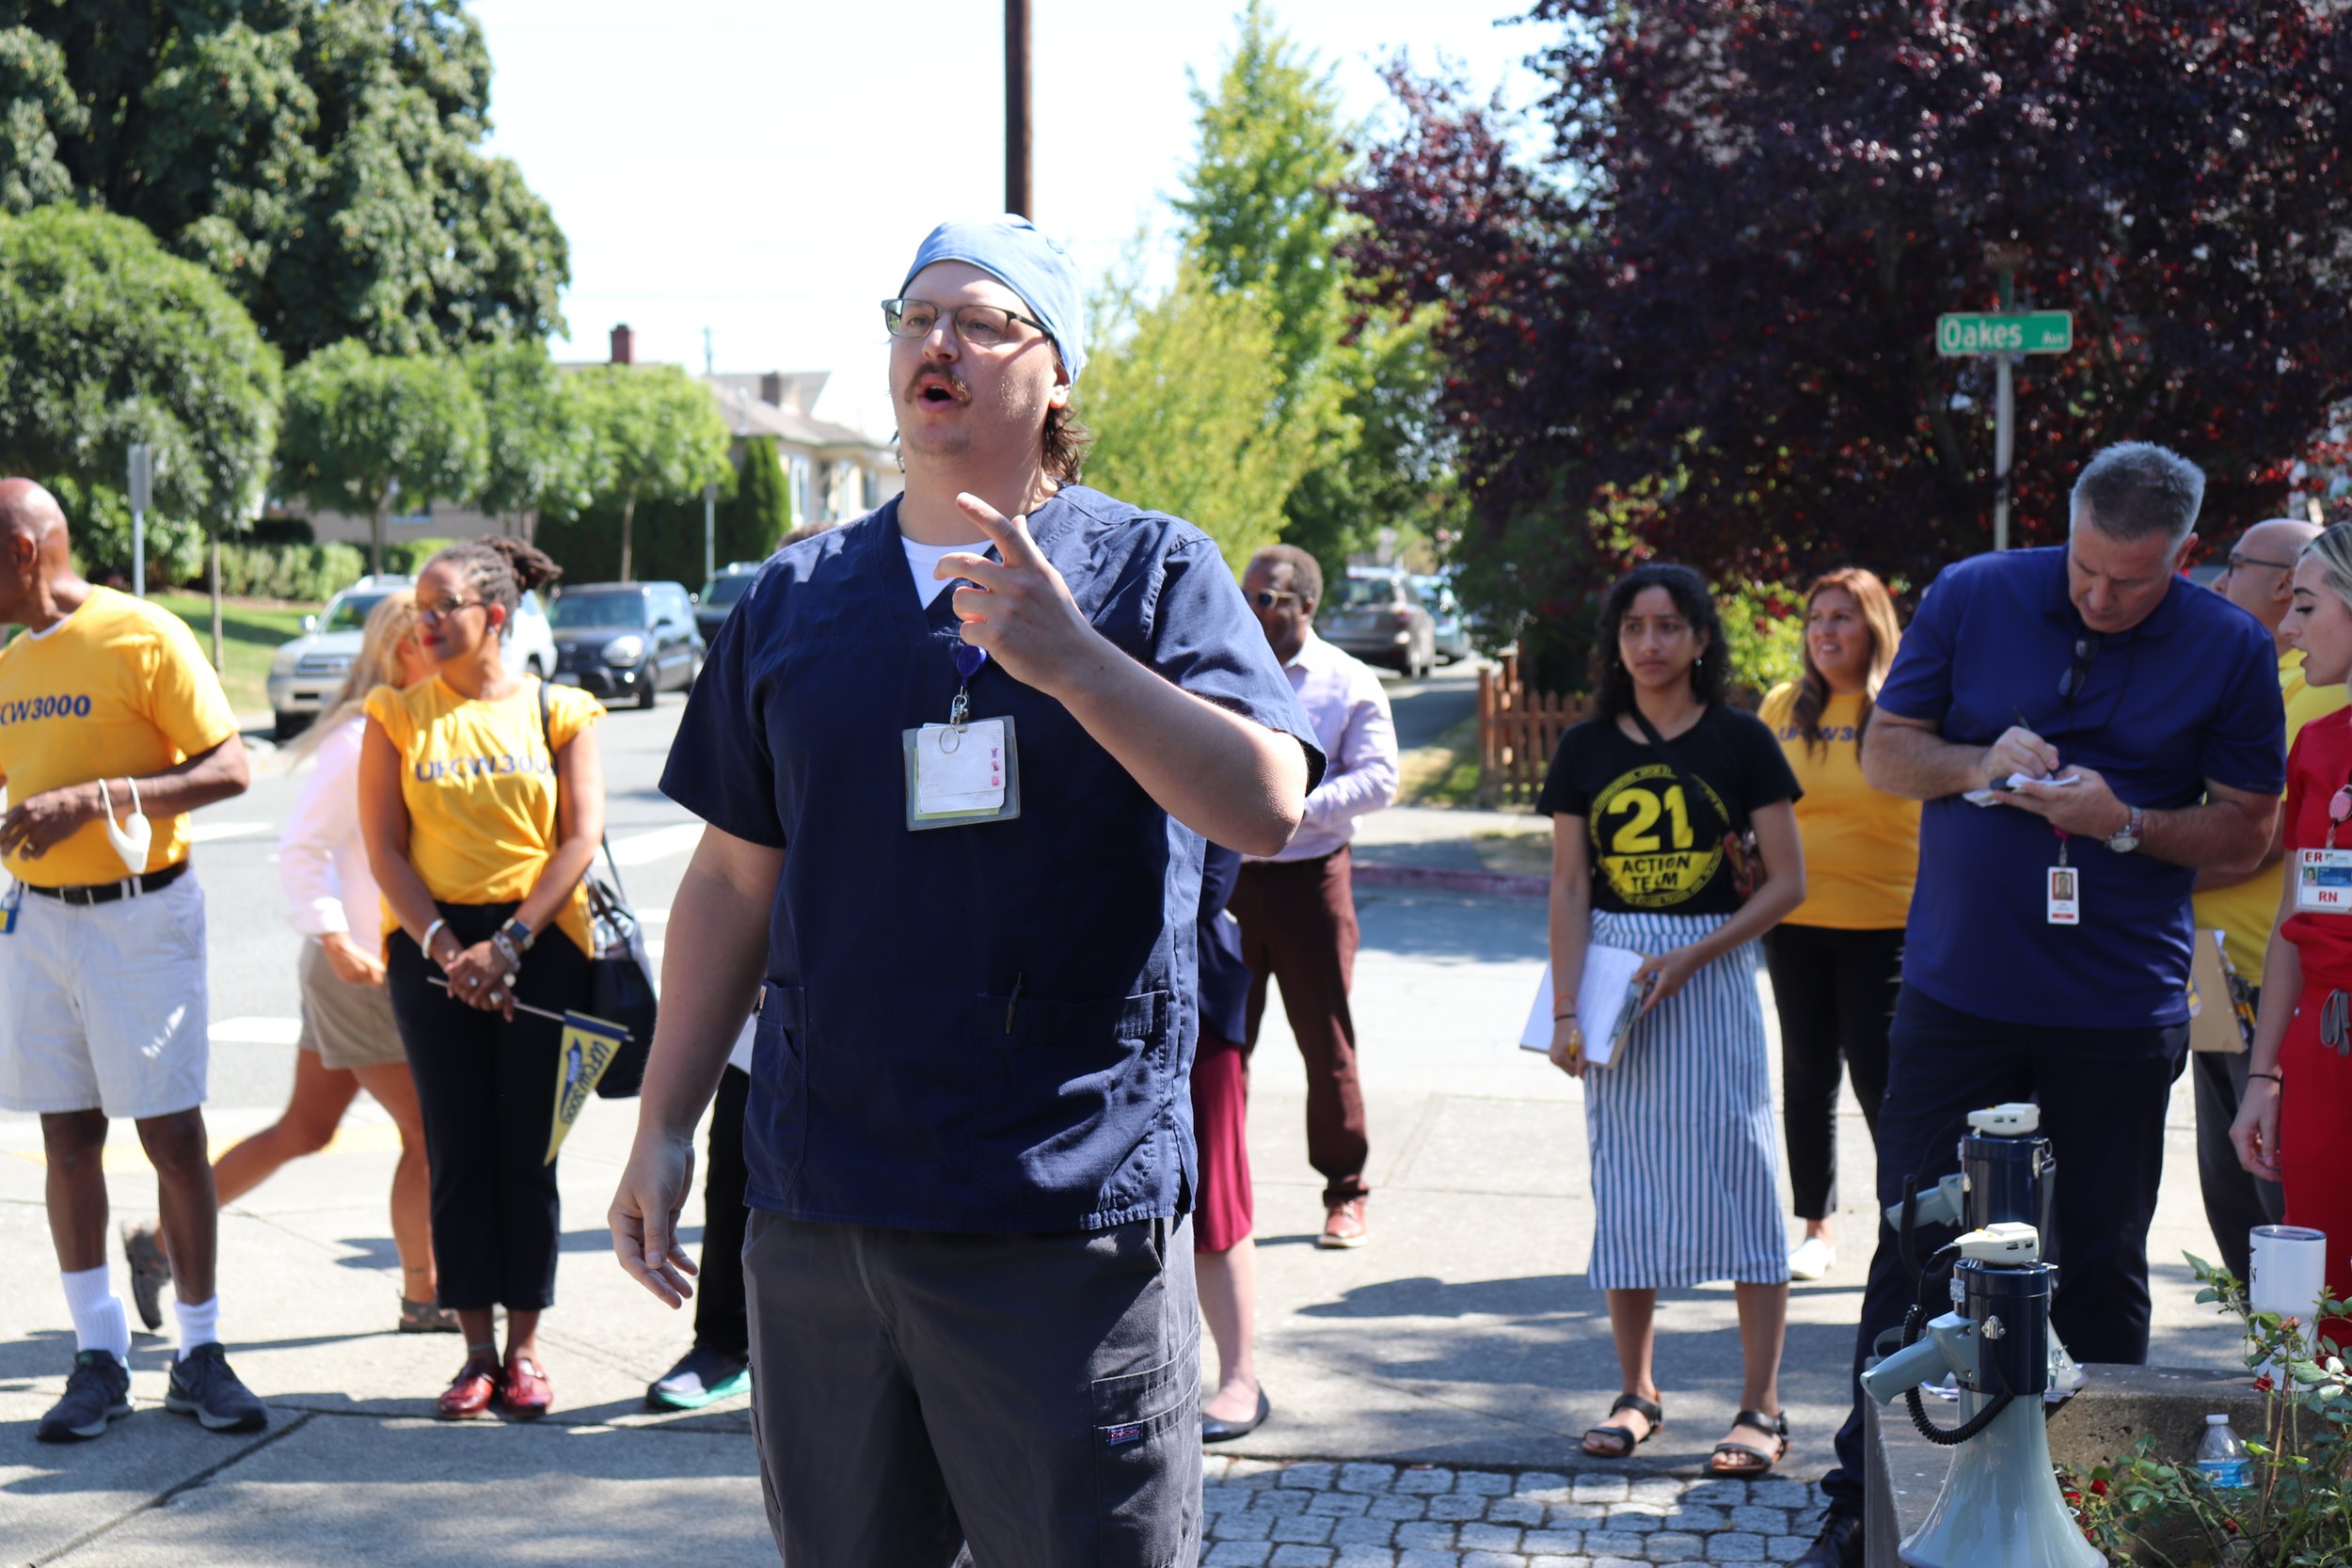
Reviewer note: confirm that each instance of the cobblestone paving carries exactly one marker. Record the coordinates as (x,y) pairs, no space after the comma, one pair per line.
(1267,1515)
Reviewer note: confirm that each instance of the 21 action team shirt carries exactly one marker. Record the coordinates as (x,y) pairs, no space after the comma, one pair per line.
(116,690)
(1653,848)
(479,780)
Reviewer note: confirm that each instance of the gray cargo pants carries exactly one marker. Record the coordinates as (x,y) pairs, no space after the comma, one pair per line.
(1035,1395)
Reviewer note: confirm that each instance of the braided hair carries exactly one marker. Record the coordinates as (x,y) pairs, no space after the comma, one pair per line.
(500,569)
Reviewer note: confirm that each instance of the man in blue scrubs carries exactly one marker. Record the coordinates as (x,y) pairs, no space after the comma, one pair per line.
(961,890)
(2152,707)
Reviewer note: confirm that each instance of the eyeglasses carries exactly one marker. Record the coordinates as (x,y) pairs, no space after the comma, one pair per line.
(1266,598)
(978,325)
(2072,683)
(434,614)
(2237,561)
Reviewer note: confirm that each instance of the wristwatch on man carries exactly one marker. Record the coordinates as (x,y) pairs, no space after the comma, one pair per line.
(2126,838)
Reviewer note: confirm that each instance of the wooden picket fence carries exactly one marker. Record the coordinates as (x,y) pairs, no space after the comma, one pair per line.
(1517,732)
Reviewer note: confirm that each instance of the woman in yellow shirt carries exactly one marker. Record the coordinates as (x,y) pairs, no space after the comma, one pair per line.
(481,810)
(1837,962)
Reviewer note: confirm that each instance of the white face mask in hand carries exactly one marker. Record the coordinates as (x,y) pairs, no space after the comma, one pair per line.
(133,839)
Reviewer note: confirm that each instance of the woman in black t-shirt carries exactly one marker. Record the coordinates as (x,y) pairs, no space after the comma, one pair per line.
(1680,1121)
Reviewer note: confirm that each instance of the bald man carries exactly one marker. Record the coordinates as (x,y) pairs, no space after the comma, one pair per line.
(2242,905)
(112,729)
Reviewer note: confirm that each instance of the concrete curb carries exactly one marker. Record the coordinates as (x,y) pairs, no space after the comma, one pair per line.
(1510,884)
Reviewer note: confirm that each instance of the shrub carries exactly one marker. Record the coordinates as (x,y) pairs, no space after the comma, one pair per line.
(307,574)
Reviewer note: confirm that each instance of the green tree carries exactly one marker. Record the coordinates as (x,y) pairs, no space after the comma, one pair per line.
(762,511)
(362,429)
(324,160)
(1262,210)
(1183,419)
(539,441)
(106,339)
(659,437)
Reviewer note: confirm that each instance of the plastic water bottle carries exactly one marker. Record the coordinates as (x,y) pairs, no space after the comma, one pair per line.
(2222,1457)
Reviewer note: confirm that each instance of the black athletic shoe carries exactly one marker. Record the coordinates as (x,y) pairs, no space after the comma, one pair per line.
(1838,1546)
(202,1385)
(98,1390)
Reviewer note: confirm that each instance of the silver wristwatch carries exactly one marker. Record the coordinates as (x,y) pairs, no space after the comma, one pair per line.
(2126,838)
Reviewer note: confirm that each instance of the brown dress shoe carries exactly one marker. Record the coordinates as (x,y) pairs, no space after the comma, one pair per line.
(525,1390)
(469,1392)
(1344,1226)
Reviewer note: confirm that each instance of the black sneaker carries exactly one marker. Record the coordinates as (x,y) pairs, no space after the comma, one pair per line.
(98,1390)
(202,1385)
(702,1377)
(1838,1546)
(150,1270)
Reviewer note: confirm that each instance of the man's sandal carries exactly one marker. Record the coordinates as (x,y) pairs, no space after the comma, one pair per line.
(1618,1441)
(1747,1459)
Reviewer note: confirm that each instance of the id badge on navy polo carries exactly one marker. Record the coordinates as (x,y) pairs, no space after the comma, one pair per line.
(2323,882)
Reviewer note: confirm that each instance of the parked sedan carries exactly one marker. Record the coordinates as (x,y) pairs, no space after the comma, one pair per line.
(620,639)
(1375,615)
(719,596)
(1450,628)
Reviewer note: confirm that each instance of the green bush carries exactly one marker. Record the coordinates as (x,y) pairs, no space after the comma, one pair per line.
(306,573)
(409,556)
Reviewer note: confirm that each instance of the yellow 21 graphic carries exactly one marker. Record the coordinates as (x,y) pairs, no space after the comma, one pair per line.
(1641,809)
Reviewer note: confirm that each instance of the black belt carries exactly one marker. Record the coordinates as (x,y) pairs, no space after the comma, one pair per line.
(107,892)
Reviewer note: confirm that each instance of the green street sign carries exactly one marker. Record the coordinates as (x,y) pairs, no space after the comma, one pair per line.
(2015,332)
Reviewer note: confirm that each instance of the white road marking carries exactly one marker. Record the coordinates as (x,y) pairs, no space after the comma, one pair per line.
(257,1031)
(657,843)
(213,832)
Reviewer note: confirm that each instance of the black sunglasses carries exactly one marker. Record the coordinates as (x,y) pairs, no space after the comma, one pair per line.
(1266,598)
(2072,683)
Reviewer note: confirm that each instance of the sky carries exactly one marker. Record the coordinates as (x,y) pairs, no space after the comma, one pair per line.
(764,169)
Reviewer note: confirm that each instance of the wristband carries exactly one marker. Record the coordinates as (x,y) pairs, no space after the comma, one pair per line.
(2272,1076)
(1559,1017)
(506,950)
(424,944)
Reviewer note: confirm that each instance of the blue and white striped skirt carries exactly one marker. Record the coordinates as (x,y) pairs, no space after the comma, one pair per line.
(1680,1125)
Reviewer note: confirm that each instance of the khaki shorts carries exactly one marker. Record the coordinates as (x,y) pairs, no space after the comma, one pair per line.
(103,1006)
(347,1025)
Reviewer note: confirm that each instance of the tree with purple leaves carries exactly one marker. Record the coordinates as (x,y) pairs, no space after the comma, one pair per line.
(1701,325)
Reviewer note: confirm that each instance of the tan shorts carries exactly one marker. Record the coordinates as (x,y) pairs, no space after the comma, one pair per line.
(347,1025)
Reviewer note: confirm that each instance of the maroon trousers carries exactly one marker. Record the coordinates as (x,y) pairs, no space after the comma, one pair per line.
(1298,928)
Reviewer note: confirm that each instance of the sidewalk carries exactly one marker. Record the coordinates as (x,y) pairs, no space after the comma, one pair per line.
(1428,1388)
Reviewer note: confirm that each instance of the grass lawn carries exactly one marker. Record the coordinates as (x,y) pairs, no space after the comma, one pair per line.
(250,631)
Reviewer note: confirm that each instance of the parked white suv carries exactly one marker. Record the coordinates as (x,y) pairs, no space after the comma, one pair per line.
(307,672)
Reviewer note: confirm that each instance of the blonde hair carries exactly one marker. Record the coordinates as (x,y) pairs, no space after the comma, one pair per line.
(1877,612)
(391,623)
(2332,549)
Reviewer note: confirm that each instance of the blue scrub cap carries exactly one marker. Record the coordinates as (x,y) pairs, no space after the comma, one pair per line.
(1011,250)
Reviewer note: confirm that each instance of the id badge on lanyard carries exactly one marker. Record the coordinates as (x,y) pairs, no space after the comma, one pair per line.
(2065,902)
(2323,878)
(967,770)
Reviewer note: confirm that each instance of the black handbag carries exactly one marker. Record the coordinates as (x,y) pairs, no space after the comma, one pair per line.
(620,978)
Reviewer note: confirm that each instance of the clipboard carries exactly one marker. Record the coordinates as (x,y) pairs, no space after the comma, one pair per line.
(2213,989)
(1607,1002)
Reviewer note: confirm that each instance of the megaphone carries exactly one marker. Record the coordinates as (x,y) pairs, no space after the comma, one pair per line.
(2000,1505)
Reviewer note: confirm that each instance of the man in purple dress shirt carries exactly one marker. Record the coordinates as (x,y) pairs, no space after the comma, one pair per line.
(1298,910)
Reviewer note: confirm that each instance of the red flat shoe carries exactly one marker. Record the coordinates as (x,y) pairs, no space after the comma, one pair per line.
(469,1392)
(525,1390)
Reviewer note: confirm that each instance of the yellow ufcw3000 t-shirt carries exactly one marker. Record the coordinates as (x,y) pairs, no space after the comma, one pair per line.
(1861,844)
(116,690)
(480,784)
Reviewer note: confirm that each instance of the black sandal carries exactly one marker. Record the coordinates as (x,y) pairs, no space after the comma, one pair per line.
(1746,1459)
(1619,1441)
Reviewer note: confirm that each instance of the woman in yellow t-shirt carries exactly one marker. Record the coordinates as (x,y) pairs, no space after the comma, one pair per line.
(1837,962)
(481,809)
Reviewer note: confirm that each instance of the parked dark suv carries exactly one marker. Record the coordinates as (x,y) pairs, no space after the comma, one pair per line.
(621,638)
(719,596)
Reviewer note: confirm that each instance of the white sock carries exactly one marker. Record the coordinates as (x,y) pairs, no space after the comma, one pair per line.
(99,1323)
(199,1325)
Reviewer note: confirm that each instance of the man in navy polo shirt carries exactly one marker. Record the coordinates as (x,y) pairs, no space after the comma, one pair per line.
(963,891)
(2152,707)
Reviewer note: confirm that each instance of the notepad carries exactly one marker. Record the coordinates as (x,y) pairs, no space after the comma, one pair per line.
(1985,797)
(1606,1000)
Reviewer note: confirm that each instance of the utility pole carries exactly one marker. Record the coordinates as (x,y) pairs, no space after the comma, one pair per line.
(708,368)
(1017,107)
(142,489)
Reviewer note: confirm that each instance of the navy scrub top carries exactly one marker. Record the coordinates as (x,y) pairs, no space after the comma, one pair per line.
(987,1027)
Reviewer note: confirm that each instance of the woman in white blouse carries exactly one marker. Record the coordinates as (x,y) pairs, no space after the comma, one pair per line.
(348,1040)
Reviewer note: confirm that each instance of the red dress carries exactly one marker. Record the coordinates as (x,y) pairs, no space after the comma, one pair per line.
(2315,1099)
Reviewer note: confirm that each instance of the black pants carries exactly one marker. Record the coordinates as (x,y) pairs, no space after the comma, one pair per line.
(2102,1093)
(488,1091)
(720,1324)
(2235,1199)
(1037,1396)
(1836,994)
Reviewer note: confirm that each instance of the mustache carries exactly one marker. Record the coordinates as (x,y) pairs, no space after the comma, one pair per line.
(934,373)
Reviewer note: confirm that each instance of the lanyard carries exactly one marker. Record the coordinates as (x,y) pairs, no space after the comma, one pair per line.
(969,662)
